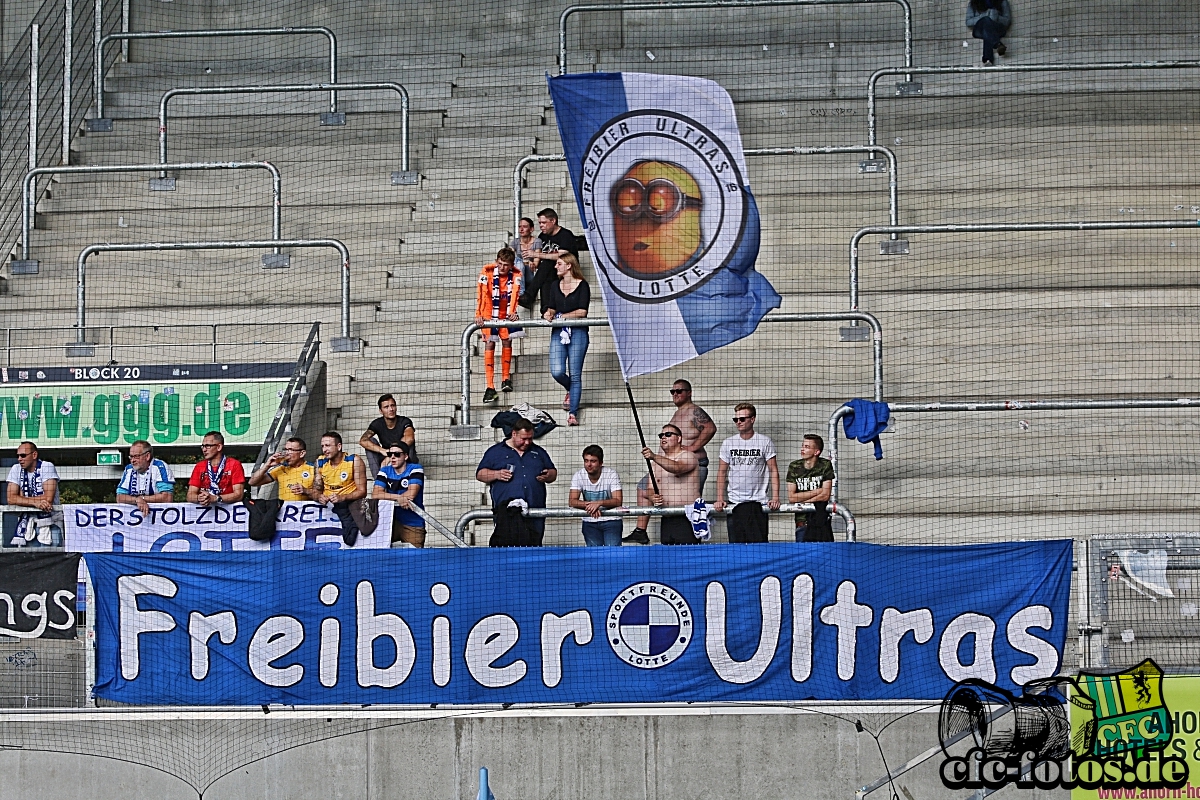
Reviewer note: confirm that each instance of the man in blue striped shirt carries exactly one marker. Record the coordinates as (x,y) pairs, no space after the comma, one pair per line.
(146,479)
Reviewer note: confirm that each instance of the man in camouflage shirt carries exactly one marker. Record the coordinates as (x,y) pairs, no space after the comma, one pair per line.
(810,480)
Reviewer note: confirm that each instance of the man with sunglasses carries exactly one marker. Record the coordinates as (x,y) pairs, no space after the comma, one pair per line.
(541,257)
(217,478)
(404,484)
(748,463)
(146,479)
(33,483)
(698,429)
(677,472)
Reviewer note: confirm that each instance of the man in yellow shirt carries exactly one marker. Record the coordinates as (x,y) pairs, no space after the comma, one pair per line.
(341,482)
(294,475)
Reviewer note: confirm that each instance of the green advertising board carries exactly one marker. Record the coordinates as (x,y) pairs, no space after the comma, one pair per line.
(162,412)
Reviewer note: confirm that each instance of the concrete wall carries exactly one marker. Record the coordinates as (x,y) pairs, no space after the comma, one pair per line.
(677,754)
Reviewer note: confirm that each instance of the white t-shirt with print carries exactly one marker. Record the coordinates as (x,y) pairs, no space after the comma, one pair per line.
(603,489)
(749,480)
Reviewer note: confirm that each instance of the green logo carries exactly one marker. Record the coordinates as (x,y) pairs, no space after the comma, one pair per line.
(65,415)
(1121,713)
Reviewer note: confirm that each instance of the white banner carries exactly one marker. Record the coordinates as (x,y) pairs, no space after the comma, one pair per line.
(180,527)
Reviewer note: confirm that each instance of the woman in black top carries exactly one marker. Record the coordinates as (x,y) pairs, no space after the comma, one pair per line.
(568,298)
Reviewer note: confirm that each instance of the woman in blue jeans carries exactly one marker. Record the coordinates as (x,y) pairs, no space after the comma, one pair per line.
(568,298)
(989,20)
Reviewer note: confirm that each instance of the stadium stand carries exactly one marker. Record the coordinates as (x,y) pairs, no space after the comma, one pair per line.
(982,316)
(970,317)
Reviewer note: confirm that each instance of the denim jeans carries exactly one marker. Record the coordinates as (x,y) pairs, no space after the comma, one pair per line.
(605,533)
(566,363)
(991,32)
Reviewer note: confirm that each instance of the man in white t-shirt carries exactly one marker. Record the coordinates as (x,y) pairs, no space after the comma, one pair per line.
(595,488)
(748,464)
(34,483)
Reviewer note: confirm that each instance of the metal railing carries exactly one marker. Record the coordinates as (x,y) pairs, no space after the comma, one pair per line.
(347,344)
(1001,69)
(39,73)
(722,4)
(286,88)
(281,423)
(999,405)
(210,344)
(819,316)
(999,227)
(99,71)
(864,166)
(460,527)
(27,211)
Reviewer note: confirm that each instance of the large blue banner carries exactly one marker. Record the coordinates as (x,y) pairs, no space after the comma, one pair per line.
(768,622)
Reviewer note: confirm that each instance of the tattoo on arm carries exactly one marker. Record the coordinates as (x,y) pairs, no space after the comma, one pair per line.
(700,417)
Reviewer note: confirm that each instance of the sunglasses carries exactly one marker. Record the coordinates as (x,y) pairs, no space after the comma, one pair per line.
(678,391)
(660,199)
(742,419)
(667,434)
(395,453)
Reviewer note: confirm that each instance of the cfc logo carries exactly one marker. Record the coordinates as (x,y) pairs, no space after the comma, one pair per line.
(649,625)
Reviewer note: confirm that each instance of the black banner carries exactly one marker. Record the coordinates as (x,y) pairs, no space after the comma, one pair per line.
(37,595)
(144,372)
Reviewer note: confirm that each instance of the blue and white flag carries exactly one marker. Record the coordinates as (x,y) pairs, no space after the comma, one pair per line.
(661,183)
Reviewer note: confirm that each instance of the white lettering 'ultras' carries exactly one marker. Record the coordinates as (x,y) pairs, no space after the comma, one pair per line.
(892,629)
(768,638)
(983,665)
(847,616)
(1021,639)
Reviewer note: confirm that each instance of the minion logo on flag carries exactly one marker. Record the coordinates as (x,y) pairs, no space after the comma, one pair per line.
(660,178)
(665,200)
(1121,713)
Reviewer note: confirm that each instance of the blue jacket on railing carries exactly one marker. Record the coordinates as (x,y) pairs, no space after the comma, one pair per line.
(867,421)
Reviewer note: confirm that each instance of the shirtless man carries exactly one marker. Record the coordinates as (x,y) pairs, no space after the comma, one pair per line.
(696,425)
(677,473)
(697,428)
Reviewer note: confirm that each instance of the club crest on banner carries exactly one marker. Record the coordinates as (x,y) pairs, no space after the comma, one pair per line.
(666,200)
(649,625)
(1120,713)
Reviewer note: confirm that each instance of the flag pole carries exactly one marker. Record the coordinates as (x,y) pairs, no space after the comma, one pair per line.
(642,436)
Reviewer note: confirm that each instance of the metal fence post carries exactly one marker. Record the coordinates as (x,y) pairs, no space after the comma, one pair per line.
(998,227)
(68,55)
(672,5)
(125,29)
(868,166)
(34,48)
(97,66)
(404,177)
(341,344)
(276,260)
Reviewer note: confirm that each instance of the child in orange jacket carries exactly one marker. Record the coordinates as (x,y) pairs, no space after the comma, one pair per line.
(497,293)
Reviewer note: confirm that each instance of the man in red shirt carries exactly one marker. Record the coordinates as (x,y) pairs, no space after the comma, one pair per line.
(217,478)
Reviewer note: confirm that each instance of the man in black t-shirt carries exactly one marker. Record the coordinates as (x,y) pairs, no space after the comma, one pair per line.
(543,255)
(810,480)
(386,431)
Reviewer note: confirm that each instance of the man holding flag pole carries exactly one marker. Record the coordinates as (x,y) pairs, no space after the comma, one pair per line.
(660,178)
